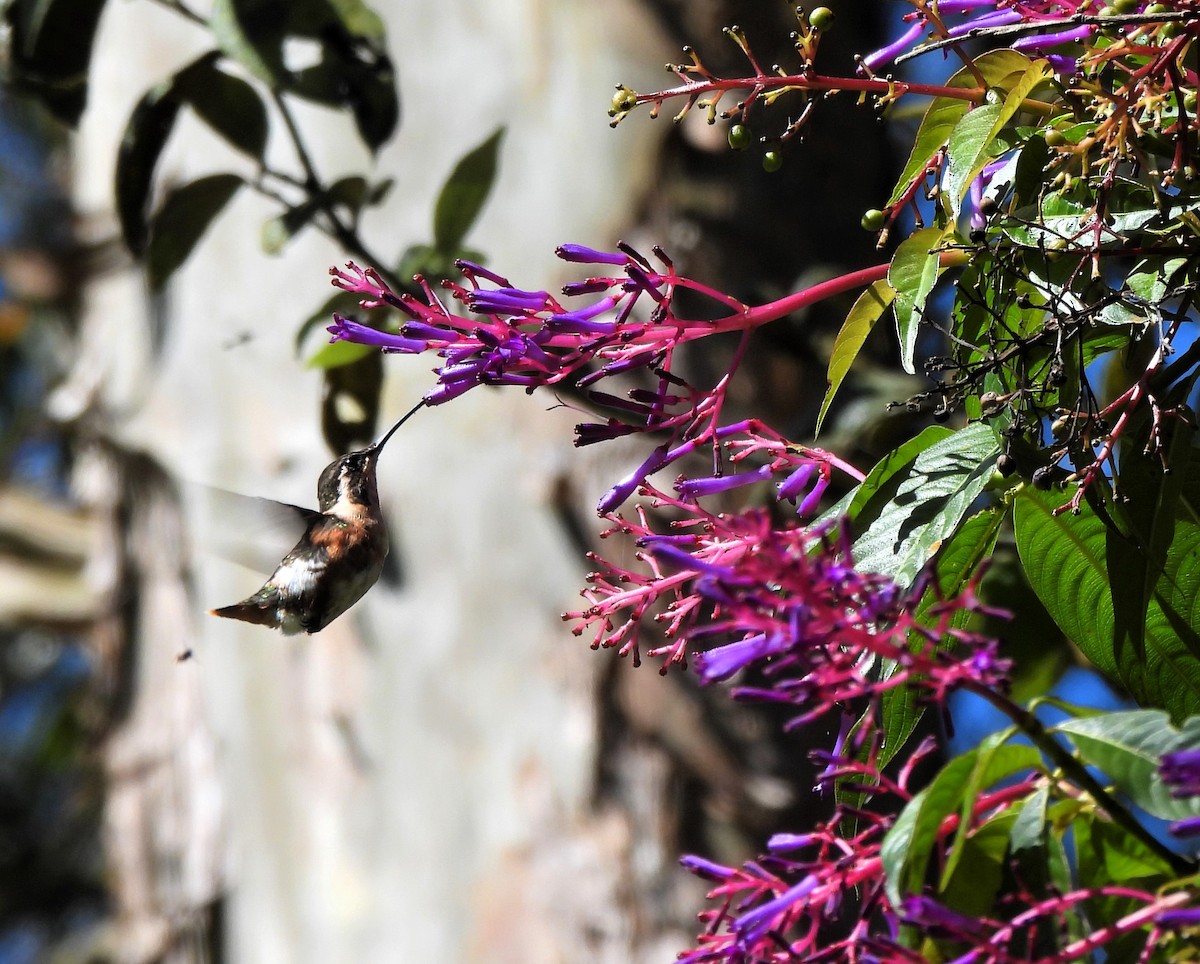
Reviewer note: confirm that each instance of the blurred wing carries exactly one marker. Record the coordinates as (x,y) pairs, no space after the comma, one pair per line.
(252,531)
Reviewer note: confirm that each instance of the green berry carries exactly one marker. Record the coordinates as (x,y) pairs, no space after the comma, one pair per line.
(821,19)
(1125,6)
(772,161)
(1055,137)
(739,137)
(874,220)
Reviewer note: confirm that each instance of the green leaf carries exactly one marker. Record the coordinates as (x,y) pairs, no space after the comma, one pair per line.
(912,274)
(994,760)
(182,220)
(999,68)
(906,849)
(1128,746)
(1114,856)
(463,195)
(941,117)
(877,489)
(348,192)
(145,135)
(50,52)
(338,353)
(1070,560)
(970,145)
(227,104)
(980,870)
(928,500)
(967,150)
(1029,830)
(871,304)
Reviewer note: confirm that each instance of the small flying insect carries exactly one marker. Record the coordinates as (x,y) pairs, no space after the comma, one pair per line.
(339,557)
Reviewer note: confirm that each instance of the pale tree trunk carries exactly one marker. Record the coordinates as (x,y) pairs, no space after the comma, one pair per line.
(418,781)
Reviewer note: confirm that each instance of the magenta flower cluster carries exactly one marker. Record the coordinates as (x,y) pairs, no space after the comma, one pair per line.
(737,590)
(509,336)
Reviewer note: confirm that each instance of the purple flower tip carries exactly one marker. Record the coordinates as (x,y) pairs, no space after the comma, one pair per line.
(1180,918)
(706,868)
(580,254)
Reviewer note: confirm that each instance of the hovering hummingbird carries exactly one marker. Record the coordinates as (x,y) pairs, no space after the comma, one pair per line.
(340,555)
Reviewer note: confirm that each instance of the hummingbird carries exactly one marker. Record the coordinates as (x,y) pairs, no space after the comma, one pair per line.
(339,557)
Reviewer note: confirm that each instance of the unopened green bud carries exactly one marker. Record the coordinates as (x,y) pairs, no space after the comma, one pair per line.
(873,220)
(821,19)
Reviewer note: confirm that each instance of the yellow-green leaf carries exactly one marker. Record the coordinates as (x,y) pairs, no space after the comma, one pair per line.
(867,310)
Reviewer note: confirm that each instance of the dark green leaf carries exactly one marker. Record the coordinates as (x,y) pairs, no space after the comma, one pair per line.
(463,195)
(184,217)
(353,73)
(380,191)
(979,872)
(278,231)
(1070,560)
(349,192)
(1114,856)
(51,51)
(927,503)
(374,101)
(350,402)
(251,32)
(227,104)
(1031,165)
(145,135)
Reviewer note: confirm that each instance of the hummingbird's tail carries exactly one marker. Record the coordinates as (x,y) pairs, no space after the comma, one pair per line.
(253,610)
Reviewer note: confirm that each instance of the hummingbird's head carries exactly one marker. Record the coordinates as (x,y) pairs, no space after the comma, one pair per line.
(349,481)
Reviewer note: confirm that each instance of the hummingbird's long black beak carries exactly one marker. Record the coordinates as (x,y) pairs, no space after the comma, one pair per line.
(377,446)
